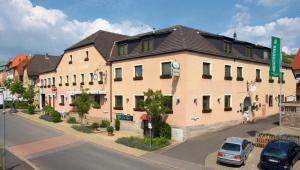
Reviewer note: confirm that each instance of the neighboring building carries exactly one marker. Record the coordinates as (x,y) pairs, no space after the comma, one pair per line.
(16,66)
(83,66)
(2,75)
(296,68)
(209,87)
(38,64)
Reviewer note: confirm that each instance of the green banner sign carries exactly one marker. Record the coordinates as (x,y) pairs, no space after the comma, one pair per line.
(275,60)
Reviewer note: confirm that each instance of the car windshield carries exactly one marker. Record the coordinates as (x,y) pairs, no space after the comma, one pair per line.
(273,152)
(231,147)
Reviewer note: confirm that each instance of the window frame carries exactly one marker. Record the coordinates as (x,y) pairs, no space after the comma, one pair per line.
(230,71)
(150,46)
(137,108)
(82,79)
(209,69)
(165,76)
(172,105)
(134,72)
(209,110)
(237,77)
(115,102)
(270,102)
(258,79)
(122,46)
(115,74)
(228,108)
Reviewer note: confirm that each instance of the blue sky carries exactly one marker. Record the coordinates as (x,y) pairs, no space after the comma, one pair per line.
(50,26)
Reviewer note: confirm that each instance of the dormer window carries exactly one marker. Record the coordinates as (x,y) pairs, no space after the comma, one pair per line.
(123,49)
(147,45)
(71,59)
(248,52)
(227,47)
(86,56)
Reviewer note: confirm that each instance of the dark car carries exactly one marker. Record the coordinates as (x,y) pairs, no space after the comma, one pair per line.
(279,154)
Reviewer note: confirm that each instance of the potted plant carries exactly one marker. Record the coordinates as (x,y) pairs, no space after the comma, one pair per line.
(95,126)
(110,131)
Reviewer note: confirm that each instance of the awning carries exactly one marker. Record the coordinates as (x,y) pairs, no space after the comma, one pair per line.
(144,117)
(74,92)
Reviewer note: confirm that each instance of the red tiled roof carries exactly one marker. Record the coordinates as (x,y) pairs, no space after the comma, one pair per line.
(18,60)
(296,62)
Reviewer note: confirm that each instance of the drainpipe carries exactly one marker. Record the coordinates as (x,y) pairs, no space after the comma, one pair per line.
(110,91)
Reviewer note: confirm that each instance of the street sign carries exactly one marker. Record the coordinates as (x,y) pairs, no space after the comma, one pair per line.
(149,125)
(275,60)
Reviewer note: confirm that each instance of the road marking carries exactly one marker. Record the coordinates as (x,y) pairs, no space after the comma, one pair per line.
(28,149)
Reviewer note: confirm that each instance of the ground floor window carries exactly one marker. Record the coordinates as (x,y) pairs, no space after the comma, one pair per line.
(61,100)
(118,102)
(227,103)
(138,100)
(270,100)
(73,99)
(169,104)
(206,104)
(95,100)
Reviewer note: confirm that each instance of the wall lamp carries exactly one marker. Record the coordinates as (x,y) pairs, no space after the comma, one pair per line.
(195,99)
(177,100)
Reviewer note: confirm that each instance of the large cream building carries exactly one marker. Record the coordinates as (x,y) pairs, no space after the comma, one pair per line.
(213,79)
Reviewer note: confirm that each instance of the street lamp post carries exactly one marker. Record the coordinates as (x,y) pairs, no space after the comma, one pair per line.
(4,135)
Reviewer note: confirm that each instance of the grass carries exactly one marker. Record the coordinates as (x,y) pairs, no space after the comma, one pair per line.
(144,144)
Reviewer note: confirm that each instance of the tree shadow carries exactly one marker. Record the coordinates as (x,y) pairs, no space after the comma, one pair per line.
(252,133)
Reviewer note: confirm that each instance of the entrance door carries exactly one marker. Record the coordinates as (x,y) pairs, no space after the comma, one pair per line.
(43,98)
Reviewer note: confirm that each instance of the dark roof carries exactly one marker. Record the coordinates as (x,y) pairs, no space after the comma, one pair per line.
(41,63)
(102,40)
(181,38)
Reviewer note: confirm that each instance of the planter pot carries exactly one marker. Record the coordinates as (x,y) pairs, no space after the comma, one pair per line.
(110,134)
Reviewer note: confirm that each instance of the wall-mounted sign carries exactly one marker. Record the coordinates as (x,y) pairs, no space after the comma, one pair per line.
(122,116)
(175,69)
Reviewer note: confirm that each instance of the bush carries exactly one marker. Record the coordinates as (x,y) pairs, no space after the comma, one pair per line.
(165,130)
(117,124)
(110,129)
(143,144)
(105,123)
(72,120)
(48,109)
(95,125)
(82,128)
(18,104)
(30,109)
(55,116)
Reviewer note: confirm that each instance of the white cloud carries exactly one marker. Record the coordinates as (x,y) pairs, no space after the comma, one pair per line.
(286,28)
(242,16)
(271,2)
(25,28)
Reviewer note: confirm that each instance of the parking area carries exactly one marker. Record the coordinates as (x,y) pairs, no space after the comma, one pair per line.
(251,162)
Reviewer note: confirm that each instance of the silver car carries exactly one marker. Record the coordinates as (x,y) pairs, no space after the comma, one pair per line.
(234,151)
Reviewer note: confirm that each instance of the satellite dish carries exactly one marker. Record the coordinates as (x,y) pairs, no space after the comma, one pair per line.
(175,65)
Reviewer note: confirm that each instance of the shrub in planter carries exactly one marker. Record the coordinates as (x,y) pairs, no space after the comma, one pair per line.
(48,109)
(72,120)
(95,125)
(110,130)
(117,124)
(81,128)
(30,109)
(165,130)
(46,117)
(105,123)
(56,117)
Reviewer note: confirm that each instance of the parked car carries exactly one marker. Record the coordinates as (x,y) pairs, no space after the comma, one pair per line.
(279,154)
(234,151)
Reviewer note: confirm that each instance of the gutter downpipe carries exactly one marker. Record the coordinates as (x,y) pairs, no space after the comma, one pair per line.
(110,82)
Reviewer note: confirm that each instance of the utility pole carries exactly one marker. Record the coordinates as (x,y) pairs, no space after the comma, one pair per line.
(4,135)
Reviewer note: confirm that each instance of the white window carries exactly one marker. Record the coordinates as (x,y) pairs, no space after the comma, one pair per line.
(118,74)
(91,77)
(138,71)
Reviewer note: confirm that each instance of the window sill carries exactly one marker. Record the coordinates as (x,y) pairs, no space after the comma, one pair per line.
(74,84)
(283,81)
(165,76)
(138,109)
(169,112)
(72,104)
(48,86)
(240,79)
(137,78)
(118,79)
(228,78)
(67,84)
(61,104)
(258,80)
(70,62)
(271,80)
(86,59)
(226,109)
(91,83)
(118,108)
(100,82)
(206,76)
(207,111)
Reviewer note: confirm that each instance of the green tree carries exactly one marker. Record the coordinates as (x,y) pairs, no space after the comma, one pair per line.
(154,105)
(7,83)
(29,94)
(83,104)
(17,88)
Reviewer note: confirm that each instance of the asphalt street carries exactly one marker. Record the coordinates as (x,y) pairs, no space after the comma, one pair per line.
(197,149)
(80,155)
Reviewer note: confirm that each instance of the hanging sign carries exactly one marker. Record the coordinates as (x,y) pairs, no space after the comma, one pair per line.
(175,69)
(275,60)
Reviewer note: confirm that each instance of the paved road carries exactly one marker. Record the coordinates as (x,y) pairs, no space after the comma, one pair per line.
(197,149)
(22,133)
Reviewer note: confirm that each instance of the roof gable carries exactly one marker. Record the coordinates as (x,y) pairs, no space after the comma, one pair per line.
(296,62)
(42,64)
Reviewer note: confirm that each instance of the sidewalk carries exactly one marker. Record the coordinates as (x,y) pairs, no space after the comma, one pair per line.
(98,138)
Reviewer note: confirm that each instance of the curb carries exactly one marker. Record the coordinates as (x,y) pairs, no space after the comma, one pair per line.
(23,159)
